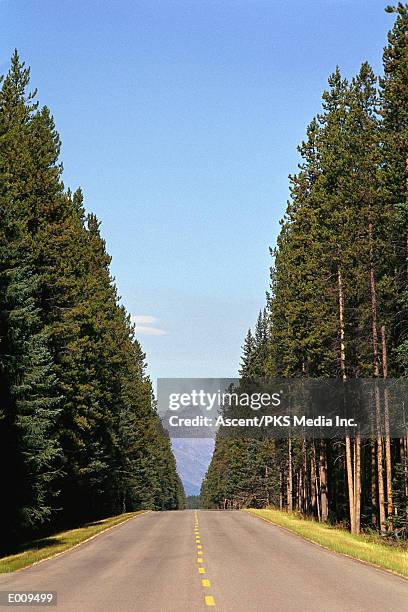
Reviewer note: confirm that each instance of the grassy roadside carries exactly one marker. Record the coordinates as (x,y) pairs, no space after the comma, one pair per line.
(47,547)
(363,547)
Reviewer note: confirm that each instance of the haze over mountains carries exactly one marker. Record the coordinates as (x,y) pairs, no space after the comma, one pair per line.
(193,456)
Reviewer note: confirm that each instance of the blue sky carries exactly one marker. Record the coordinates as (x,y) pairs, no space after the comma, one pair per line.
(180,121)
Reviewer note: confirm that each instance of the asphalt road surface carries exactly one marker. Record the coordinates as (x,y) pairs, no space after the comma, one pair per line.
(154,563)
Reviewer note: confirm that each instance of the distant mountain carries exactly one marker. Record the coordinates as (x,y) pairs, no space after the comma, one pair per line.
(193,456)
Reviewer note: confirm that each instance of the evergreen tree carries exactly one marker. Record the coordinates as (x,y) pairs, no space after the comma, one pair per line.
(28,387)
(248,350)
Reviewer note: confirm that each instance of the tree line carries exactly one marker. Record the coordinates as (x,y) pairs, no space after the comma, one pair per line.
(79,434)
(337,306)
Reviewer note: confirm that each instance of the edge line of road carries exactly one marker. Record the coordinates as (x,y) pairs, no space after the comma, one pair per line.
(334,552)
(63,552)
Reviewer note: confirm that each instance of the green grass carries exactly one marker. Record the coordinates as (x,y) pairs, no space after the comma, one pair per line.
(366,548)
(38,550)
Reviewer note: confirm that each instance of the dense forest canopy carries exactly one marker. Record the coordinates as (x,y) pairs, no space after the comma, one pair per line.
(337,306)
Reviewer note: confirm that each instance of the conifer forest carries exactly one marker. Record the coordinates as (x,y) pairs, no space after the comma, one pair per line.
(80,437)
(337,306)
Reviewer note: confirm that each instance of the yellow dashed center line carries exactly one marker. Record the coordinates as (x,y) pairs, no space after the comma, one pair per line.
(208,599)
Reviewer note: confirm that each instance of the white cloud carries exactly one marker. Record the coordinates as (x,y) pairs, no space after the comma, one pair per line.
(142,319)
(142,325)
(149,331)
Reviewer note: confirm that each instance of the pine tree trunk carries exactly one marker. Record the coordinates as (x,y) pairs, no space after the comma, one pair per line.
(406,234)
(404,458)
(406,473)
(299,486)
(305,496)
(357,483)
(280,490)
(349,458)
(374,509)
(380,478)
(388,464)
(323,482)
(313,484)
(290,477)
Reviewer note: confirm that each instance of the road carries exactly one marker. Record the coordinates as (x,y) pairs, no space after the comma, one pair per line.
(154,563)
